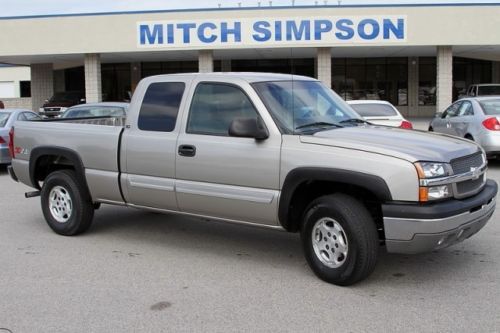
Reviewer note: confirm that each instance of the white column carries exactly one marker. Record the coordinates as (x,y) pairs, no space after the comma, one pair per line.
(444,80)
(42,84)
(93,85)
(205,61)
(324,65)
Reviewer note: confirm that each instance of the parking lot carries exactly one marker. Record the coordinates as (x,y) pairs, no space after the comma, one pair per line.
(139,271)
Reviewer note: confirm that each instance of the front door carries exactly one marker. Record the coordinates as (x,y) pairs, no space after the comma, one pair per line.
(222,176)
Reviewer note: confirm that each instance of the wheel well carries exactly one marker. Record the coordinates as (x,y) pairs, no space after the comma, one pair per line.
(46,164)
(308,191)
(469,136)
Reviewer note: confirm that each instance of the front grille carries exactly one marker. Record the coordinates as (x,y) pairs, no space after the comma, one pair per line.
(52,109)
(464,164)
(470,186)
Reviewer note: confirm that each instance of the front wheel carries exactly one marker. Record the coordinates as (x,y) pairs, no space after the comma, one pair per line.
(340,239)
(66,203)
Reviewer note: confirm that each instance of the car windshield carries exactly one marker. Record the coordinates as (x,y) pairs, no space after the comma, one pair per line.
(304,106)
(491,107)
(65,97)
(4,117)
(374,110)
(102,111)
(489,90)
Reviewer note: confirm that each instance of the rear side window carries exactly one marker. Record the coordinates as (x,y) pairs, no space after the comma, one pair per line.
(160,106)
(374,110)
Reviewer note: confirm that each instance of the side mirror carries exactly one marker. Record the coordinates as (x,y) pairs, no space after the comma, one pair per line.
(248,128)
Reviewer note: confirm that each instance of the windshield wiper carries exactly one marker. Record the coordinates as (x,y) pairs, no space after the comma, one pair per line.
(317,124)
(355,120)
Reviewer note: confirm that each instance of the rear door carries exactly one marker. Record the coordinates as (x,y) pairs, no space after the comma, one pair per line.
(149,145)
(443,124)
(464,119)
(227,177)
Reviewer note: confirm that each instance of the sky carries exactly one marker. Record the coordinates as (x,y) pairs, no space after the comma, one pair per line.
(9,8)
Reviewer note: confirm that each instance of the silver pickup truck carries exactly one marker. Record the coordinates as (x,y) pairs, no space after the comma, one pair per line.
(272,150)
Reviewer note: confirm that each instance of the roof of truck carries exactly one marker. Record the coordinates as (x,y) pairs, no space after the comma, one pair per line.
(247,76)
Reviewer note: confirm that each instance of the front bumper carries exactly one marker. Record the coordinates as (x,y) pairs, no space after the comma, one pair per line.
(4,155)
(413,228)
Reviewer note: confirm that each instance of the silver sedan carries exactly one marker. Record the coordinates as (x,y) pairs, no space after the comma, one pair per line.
(7,119)
(474,118)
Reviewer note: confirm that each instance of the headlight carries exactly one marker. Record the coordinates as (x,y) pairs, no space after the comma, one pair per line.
(429,170)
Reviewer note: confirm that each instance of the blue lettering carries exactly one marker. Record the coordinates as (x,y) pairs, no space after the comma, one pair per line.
(303,31)
(277,30)
(262,33)
(362,29)
(225,31)
(153,37)
(186,28)
(345,29)
(201,33)
(399,31)
(320,27)
(170,33)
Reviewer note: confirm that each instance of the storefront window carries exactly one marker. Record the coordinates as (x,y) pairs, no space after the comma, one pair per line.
(469,71)
(286,66)
(371,78)
(168,67)
(427,81)
(116,82)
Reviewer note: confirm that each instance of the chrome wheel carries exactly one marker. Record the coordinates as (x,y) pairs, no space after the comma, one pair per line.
(60,204)
(329,242)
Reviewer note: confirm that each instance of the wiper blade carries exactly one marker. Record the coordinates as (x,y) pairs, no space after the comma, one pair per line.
(318,123)
(355,120)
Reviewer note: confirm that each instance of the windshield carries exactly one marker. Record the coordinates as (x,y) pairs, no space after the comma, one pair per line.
(4,117)
(65,97)
(491,107)
(300,106)
(374,110)
(102,111)
(489,90)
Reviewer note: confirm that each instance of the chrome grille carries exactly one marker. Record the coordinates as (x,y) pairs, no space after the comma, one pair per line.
(470,186)
(464,164)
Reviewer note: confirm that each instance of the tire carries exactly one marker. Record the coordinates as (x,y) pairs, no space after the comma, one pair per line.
(357,238)
(66,204)
(431,129)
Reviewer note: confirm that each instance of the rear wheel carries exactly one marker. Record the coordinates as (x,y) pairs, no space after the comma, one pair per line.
(340,239)
(66,204)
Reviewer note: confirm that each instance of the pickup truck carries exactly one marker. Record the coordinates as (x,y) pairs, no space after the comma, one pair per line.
(272,150)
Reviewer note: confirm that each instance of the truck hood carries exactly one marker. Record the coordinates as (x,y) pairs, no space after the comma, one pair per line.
(406,144)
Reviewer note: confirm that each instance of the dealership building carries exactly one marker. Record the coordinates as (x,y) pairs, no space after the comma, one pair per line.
(418,57)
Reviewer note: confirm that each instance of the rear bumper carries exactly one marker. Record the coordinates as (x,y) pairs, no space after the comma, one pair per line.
(4,155)
(413,228)
(12,174)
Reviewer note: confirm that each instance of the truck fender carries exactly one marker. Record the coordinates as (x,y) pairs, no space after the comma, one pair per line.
(296,177)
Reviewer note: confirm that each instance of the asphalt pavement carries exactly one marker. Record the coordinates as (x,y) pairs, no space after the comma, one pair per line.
(136,271)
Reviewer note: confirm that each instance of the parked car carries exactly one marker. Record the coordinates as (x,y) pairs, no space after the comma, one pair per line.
(272,150)
(7,119)
(61,101)
(105,109)
(484,89)
(380,113)
(472,118)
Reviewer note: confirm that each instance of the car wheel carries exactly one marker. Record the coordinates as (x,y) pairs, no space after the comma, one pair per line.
(66,204)
(431,129)
(340,239)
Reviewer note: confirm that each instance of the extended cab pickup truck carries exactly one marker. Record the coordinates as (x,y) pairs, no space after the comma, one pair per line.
(272,150)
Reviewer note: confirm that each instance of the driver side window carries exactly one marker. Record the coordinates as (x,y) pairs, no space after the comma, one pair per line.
(215,106)
(452,111)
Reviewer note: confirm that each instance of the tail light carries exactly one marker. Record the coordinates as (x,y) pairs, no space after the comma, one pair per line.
(406,124)
(11,143)
(2,141)
(492,124)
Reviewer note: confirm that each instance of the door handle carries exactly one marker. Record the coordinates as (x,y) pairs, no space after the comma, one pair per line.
(187,150)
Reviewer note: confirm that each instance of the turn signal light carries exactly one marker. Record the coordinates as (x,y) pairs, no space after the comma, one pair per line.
(492,124)
(423,194)
(406,124)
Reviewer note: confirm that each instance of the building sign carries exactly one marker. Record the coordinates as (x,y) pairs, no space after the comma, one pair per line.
(272,32)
